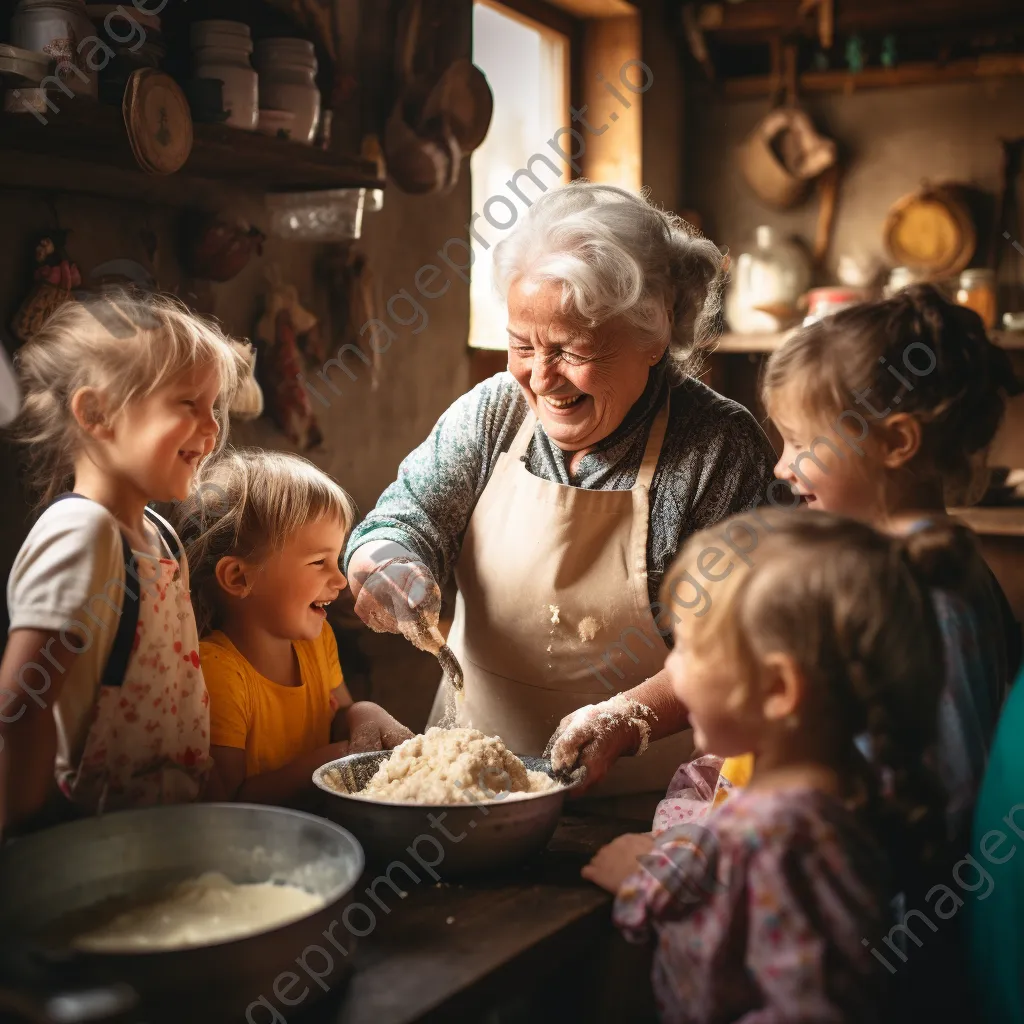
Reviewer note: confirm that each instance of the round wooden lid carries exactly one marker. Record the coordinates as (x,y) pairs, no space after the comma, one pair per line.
(931,231)
(158,120)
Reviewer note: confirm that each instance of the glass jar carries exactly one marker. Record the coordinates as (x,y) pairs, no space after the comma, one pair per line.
(823,302)
(978,292)
(900,278)
(768,279)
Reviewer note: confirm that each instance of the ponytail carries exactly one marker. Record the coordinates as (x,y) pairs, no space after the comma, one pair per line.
(940,555)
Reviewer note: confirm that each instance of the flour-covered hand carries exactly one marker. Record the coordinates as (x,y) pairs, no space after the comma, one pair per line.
(394,591)
(589,741)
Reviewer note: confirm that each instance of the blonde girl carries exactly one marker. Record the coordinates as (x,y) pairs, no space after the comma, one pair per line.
(264,533)
(771,910)
(100,684)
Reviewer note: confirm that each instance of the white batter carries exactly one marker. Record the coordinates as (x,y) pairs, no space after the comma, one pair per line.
(200,912)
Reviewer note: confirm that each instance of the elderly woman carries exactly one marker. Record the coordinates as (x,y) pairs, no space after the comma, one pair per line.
(558,492)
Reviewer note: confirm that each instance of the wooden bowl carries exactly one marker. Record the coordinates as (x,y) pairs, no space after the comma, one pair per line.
(931,231)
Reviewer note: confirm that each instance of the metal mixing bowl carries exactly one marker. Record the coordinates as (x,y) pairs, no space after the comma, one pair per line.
(444,840)
(134,854)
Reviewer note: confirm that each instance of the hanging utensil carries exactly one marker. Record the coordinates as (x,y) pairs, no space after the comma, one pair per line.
(784,153)
(463,102)
(418,163)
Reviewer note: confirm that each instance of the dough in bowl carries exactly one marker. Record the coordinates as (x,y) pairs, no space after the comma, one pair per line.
(453,766)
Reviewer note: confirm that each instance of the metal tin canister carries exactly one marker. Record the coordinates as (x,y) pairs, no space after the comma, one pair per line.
(63,31)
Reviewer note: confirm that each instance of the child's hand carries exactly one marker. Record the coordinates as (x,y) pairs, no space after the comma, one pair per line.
(372,728)
(331,752)
(614,863)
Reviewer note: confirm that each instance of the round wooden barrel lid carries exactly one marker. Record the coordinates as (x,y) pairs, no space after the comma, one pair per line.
(158,120)
(931,231)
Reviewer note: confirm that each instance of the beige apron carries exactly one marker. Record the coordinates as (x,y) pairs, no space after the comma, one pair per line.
(552,611)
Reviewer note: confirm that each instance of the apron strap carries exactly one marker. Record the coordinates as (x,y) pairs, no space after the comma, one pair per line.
(651,453)
(523,437)
(654,442)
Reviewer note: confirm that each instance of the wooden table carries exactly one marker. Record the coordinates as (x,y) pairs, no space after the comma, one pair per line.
(455,951)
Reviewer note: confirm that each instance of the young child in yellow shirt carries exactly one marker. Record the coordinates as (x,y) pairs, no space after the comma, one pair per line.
(264,533)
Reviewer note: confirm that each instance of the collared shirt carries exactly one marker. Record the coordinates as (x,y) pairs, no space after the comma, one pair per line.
(715,461)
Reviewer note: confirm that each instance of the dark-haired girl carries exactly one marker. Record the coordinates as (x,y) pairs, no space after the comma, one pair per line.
(774,911)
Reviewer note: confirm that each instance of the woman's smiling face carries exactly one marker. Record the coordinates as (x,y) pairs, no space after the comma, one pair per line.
(579,380)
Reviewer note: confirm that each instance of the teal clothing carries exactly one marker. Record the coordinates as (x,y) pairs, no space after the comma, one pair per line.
(997,922)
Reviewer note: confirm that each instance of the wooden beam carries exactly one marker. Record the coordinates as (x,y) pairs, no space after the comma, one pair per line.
(994,66)
(546,14)
(764,17)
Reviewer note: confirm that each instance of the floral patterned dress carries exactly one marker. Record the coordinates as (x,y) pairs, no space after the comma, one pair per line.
(760,913)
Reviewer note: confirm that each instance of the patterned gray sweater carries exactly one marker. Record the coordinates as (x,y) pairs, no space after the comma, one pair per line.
(715,461)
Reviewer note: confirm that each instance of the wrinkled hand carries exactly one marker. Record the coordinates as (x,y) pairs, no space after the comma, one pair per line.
(372,728)
(398,596)
(588,742)
(614,863)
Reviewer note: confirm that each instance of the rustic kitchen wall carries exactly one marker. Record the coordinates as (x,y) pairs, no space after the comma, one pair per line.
(367,429)
(890,141)
(367,432)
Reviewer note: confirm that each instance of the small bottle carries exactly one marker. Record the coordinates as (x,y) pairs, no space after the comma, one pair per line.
(978,292)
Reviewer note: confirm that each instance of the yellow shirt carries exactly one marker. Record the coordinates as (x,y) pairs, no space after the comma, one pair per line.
(736,773)
(273,724)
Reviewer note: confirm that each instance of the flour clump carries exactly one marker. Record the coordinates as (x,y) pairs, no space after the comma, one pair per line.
(453,766)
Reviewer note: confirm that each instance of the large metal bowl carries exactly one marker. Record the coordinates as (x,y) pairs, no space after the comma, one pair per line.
(441,841)
(135,854)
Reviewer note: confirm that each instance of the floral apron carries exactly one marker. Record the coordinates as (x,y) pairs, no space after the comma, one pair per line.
(149,739)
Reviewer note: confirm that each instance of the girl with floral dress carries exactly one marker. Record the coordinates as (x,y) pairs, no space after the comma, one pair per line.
(123,398)
(774,907)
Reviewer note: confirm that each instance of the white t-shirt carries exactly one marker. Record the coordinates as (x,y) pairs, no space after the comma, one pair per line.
(69,576)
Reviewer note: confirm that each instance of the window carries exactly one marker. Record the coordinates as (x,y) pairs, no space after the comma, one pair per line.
(527,66)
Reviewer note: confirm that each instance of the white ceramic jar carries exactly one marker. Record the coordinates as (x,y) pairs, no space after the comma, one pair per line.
(768,276)
(287,70)
(221,51)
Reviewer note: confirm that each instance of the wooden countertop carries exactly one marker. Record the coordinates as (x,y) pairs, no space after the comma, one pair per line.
(451,951)
(993,522)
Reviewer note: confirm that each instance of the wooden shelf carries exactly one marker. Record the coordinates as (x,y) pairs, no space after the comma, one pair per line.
(996,66)
(748,343)
(993,522)
(84,148)
(761,19)
(731,344)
